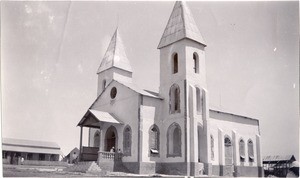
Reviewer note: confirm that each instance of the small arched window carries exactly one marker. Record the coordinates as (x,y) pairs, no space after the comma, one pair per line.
(175,63)
(250,151)
(242,150)
(127,141)
(154,140)
(198,100)
(97,139)
(174,99)
(174,140)
(212,147)
(104,84)
(196,62)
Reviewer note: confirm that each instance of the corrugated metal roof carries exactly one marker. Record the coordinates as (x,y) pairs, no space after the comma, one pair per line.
(181,25)
(105,116)
(278,158)
(31,149)
(32,143)
(99,116)
(30,146)
(137,89)
(115,55)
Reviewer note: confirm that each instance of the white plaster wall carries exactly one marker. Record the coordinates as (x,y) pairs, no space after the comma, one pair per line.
(125,108)
(112,74)
(244,129)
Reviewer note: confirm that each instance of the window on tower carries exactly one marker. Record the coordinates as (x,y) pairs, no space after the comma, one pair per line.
(175,63)
(103,84)
(174,140)
(174,99)
(198,100)
(196,62)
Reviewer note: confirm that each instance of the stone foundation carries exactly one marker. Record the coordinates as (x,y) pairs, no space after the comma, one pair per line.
(239,171)
(176,168)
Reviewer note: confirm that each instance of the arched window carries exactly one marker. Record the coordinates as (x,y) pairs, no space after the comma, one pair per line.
(242,150)
(174,140)
(196,62)
(212,147)
(174,99)
(198,100)
(175,63)
(228,151)
(97,139)
(250,151)
(104,84)
(127,141)
(154,140)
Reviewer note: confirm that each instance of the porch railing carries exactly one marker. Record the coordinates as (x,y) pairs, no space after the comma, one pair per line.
(109,156)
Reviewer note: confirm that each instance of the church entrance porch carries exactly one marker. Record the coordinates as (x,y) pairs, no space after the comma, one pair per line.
(105,141)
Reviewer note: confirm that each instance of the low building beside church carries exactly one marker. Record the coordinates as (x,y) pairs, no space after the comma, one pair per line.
(32,152)
(173,131)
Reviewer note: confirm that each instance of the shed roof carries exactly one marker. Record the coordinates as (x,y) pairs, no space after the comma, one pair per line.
(279,158)
(181,25)
(115,55)
(92,118)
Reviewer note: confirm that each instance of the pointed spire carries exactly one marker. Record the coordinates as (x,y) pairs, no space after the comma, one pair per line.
(115,55)
(181,25)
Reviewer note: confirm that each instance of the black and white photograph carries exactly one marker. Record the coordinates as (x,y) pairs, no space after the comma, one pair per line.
(150,88)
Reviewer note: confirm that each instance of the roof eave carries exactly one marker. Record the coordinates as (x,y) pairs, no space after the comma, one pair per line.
(168,44)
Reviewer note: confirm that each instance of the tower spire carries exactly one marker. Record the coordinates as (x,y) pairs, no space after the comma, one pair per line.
(181,25)
(115,55)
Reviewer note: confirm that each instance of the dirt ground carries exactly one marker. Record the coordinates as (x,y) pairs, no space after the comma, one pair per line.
(56,171)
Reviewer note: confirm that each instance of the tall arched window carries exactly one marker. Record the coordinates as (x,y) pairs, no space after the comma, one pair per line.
(154,140)
(174,140)
(174,99)
(97,139)
(198,100)
(196,62)
(250,151)
(242,150)
(212,147)
(175,63)
(228,151)
(127,141)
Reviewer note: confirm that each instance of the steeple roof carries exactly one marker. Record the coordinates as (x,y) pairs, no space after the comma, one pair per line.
(115,55)
(181,25)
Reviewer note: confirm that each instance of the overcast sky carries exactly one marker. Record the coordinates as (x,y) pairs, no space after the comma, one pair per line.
(51,52)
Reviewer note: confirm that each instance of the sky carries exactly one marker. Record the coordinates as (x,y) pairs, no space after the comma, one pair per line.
(50,52)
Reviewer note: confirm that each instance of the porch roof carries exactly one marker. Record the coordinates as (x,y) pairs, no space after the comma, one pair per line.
(93,118)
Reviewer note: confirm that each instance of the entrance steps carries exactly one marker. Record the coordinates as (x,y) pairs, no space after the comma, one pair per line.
(85,167)
(113,166)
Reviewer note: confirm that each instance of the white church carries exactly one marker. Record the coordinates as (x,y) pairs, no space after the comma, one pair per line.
(173,131)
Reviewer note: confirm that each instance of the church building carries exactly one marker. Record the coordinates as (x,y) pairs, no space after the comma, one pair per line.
(173,131)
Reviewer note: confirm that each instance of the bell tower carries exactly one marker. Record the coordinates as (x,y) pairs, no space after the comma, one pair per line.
(115,64)
(183,85)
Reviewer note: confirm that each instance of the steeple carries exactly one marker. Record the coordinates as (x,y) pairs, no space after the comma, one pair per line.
(181,25)
(115,55)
